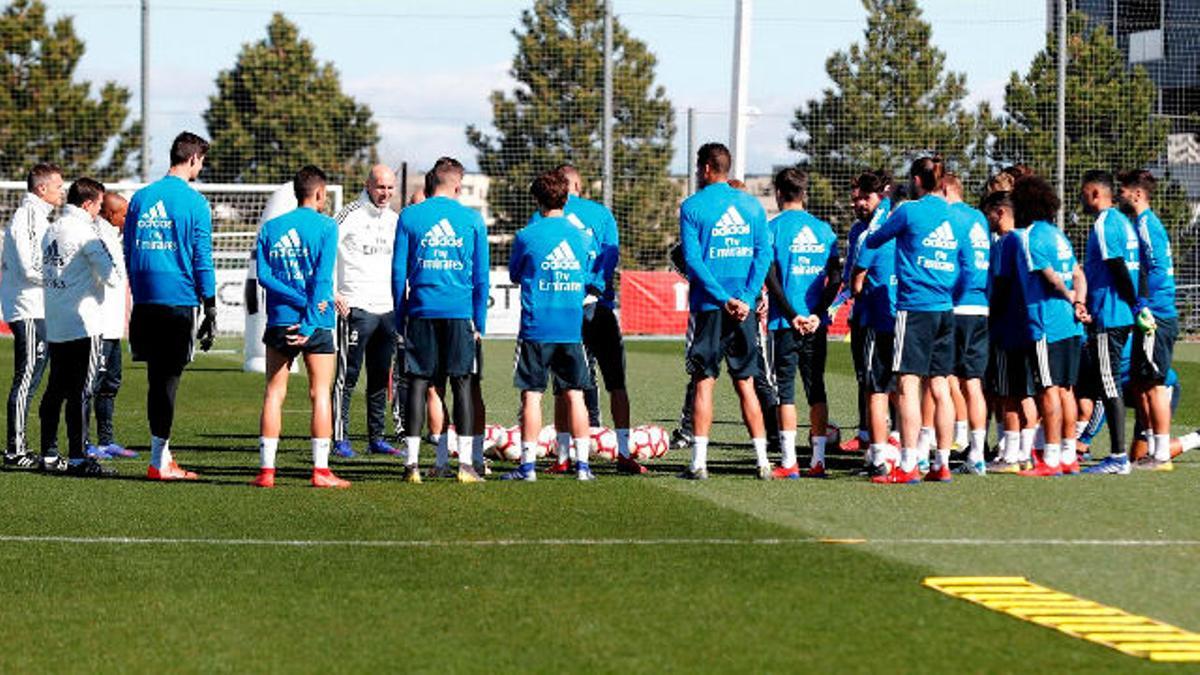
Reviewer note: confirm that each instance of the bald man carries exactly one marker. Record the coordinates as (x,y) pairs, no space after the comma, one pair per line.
(108,377)
(366,329)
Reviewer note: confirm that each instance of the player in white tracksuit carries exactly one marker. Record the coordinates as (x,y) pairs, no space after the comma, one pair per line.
(22,302)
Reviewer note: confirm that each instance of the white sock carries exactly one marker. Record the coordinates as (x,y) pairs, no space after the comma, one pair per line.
(160,452)
(1012,446)
(564,446)
(1051,454)
(908,459)
(924,443)
(960,433)
(443,450)
(582,447)
(320,450)
(623,442)
(266,452)
(760,451)
(465,446)
(818,456)
(787,439)
(1190,441)
(978,440)
(943,459)
(875,454)
(1068,451)
(528,452)
(1027,444)
(413,445)
(699,452)
(1162,447)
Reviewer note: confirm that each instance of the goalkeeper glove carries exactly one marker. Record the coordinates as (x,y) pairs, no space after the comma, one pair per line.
(208,325)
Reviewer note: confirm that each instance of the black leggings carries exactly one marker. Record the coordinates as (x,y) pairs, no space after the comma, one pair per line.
(418,387)
(160,397)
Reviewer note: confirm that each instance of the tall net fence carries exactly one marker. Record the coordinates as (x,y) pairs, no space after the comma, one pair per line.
(881,82)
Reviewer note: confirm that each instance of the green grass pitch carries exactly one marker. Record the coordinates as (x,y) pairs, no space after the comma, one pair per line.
(624,574)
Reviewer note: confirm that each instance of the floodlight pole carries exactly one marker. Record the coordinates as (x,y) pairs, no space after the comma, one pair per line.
(741,83)
(691,151)
(1061,131)
(145,91)
(608,105)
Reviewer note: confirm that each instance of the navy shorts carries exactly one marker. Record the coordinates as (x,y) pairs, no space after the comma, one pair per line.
(1008,373)
(1101,363)
(439,348)
(878,352)
(924,343)
(1151,353)
(536,361)
(602,337)
(320,342)
(714,335)
(1055,364)
(791,352)
(970,346)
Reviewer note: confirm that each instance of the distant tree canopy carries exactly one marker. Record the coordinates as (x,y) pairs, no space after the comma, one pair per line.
(278,109)
(48,116)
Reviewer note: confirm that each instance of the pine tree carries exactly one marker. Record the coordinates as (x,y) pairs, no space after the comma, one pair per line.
(48,116)
(1110,121)
(278,109)
(555,115)
(891,101)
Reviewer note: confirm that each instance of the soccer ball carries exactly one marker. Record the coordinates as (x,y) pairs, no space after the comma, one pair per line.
(604,443)
(494,435)
(505,443)
(834,435)
(648,442)
(547,441)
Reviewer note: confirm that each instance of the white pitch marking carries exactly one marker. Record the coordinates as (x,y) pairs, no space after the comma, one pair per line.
(447,543)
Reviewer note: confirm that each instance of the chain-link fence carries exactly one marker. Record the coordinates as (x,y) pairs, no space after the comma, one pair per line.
(882,94)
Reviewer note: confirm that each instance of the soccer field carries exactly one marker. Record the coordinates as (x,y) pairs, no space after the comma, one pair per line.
(624,574)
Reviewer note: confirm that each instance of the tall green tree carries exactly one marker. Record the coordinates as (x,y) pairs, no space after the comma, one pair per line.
(1110,121)
(891,100)
(48,116)
(555,114)
(278,109)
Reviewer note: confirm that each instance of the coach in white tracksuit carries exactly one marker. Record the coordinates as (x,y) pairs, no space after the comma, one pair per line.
(22,303)
(112,311)
(76,269)
(366,330)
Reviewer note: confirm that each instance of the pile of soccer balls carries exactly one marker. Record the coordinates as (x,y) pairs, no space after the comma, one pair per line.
(645,442)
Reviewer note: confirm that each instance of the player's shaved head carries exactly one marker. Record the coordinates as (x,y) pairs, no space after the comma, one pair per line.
(381,185)
(573,177)
(113,209)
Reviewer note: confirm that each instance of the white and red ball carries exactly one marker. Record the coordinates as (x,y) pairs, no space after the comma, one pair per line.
(604,443)
(648,442)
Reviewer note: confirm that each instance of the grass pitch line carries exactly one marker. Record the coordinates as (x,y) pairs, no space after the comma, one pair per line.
(664,541)
(1109,626)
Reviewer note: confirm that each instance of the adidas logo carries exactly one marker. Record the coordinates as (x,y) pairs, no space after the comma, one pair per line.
(979,236)
(156,216)
(287,245)
(442,235)
(579,223)
(806,242)
(1064,249)
(561,258)
(942,237)
(730,224)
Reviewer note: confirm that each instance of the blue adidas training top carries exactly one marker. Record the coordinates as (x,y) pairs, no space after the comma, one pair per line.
(551,261)
(929,255)
(168,244)
(295,254)
(726,246)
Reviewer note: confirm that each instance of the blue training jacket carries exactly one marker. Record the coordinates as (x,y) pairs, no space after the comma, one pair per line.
(930,253)
(551,261)
(601,227)
(440,263)
(168,245)
(295,254)
(803,246)
(726,246)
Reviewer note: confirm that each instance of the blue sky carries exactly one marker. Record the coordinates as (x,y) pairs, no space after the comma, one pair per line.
(426,71)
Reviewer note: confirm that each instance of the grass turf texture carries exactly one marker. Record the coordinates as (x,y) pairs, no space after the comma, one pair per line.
(538,606)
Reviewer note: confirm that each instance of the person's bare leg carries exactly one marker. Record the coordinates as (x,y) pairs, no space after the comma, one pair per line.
(702,414)
(943,418)
(320,369)
(270,423)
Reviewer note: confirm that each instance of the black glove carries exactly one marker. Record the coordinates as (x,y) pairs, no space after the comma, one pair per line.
(251,296)
(208,325)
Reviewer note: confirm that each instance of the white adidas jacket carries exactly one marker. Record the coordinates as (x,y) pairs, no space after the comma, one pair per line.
(112,309)
(21,260)
(76,269)
(366,234)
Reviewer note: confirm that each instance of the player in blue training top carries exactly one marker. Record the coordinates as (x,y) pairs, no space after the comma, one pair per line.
(806,262)
(727,251)
(970,329)
(168,256)
(865,195)
(873,284)
(1156,339)
(930,255)
(296,254)
(440,288)
(551,260)
(601,329)
(1048,277)
(1111,268)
